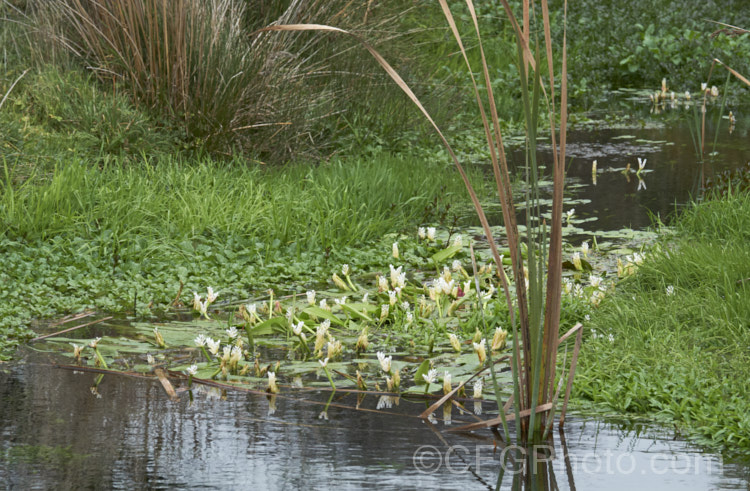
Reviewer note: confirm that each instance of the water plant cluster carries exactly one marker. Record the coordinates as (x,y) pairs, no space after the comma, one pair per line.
(417,328)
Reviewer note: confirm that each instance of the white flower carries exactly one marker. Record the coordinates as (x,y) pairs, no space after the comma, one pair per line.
(577,261)
(226,352)
(578,291)
(687,95)
(641,164)
(324,305)
(585,248)
(567,286)
(382,284)
(392,297)
(704,86)
(409,317)
(486,296)
(395,273)
(345,269)
(297,328)
(192,370)
(384,311)
(395,250)
(405,305)
(611,338)
(595,281)
(499,339)
(323,363)
(334,348)
(446,287)
(252,309)
(431,376)
(272,387)
(232,332)
(596,297)
(480,350)
(211,296)
(385,361)
(421,233)
(569,214)
(203,308)
(385,402)
(235,354)
(478,386)
(364,297)
(670,290)
(200,340)
(95,342)
(150,359)
(320,334)
(431,233)
(213,346)
(340,301)
(447,382)
(196,301)
(456,265)
(458,241)
(455,343)
(311,297)
(401,280)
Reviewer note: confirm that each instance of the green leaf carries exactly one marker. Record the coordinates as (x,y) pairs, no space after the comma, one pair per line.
(446,253)
(422,370)
(316,311)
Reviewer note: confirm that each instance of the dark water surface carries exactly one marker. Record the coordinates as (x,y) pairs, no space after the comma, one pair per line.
(56,434)
(674,174)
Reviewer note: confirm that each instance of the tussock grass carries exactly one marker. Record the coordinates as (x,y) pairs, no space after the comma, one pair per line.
(684,357)
(191,61)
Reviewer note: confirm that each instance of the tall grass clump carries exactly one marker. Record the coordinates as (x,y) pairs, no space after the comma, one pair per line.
(192,61)
(535,304)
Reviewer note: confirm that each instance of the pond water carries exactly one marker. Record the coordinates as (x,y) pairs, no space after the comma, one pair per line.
(673,176)
(56,434)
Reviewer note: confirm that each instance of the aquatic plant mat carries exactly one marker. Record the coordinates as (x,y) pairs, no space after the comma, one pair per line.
(261,354)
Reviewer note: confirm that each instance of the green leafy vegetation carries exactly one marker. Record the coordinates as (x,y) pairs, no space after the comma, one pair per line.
(674,339)
(636,44)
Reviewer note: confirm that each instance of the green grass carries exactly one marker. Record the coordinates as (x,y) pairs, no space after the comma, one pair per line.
(683,357)
(89,237)
(333,204)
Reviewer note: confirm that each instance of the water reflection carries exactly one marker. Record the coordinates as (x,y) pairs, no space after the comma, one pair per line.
(56,434)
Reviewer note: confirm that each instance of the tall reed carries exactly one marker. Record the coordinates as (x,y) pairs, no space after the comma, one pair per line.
(534,309)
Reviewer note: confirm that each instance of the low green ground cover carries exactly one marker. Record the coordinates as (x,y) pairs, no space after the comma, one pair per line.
(86,237)
(674,340)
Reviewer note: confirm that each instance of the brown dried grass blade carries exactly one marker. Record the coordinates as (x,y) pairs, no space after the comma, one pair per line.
(164,379)
(441,401)
(497,421)
(495,145)
(71,329)
(733,72)
(571,374)
(554,268)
